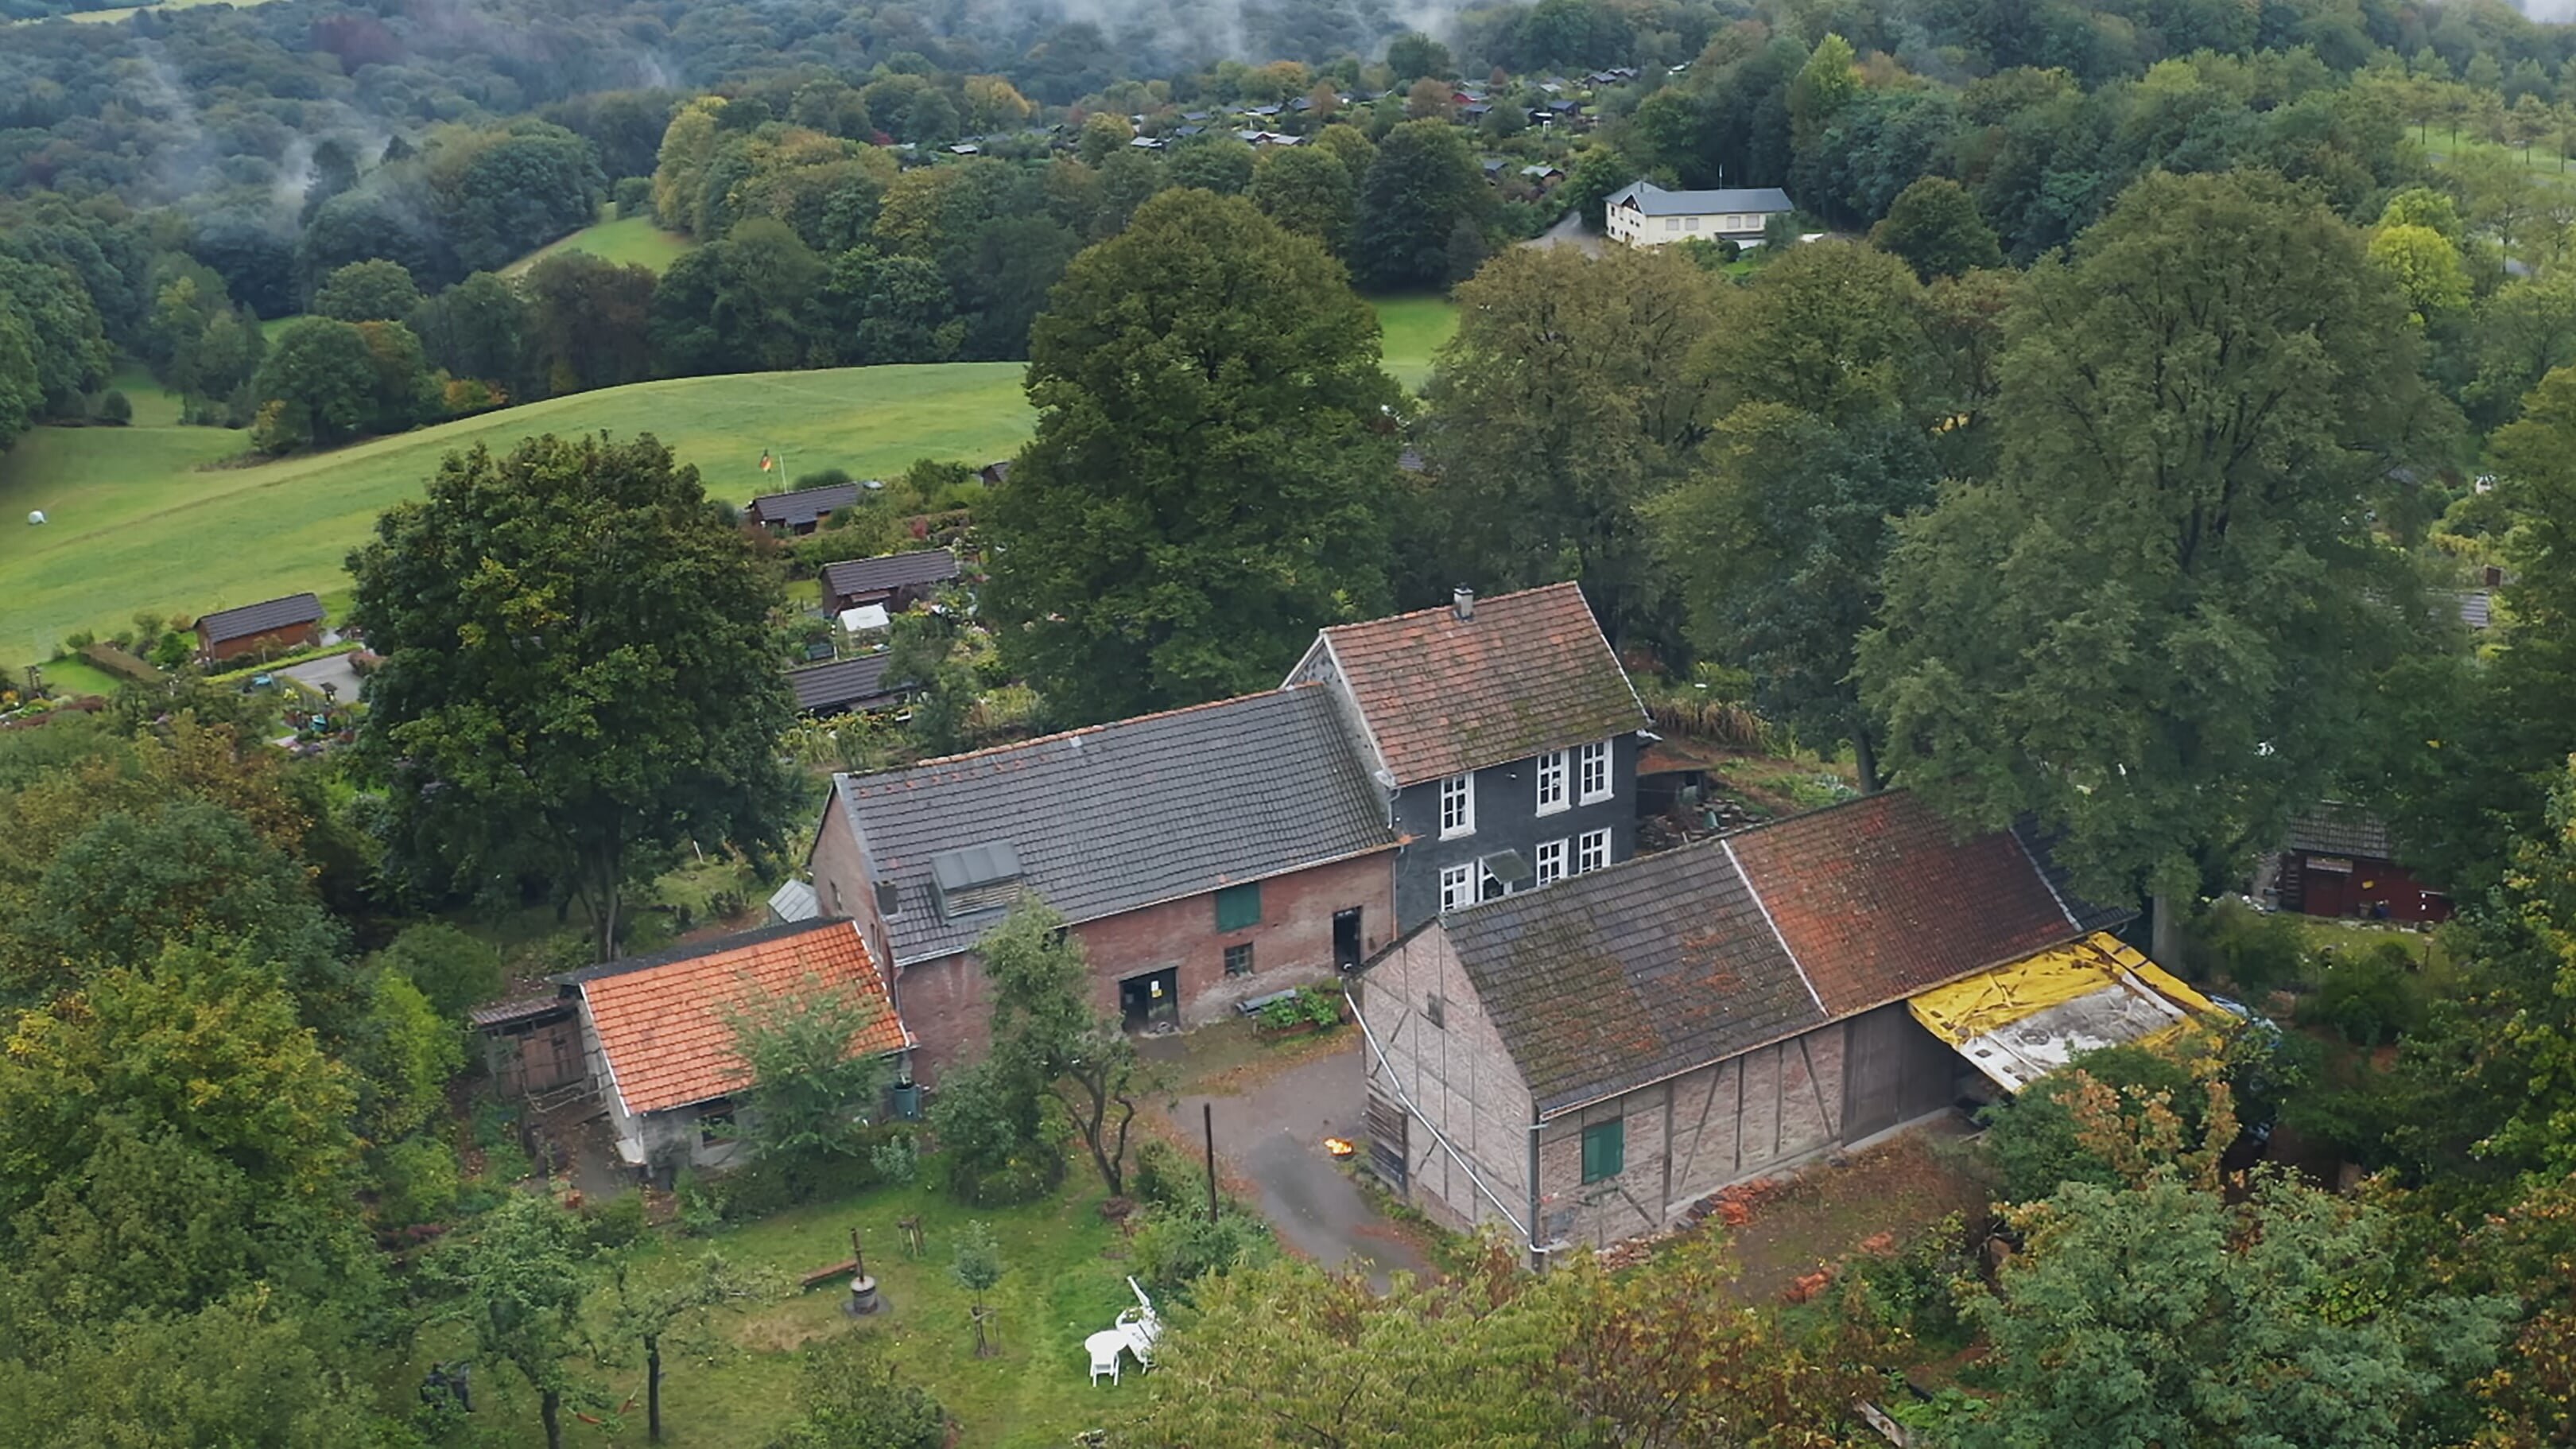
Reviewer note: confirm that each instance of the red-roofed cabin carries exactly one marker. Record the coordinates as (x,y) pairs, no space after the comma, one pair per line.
(662,1054)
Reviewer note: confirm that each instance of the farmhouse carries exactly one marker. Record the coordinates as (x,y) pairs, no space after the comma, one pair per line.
(893,582)
(843,686)
(1642,214)
(272,626)
(1581,1065)
(2340,861)
(804,510)
(1503,734)
(1204,856)
(658,1047)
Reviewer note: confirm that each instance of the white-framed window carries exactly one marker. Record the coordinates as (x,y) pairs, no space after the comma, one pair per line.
(1458,806)
(1690,223)
(1549,861)
(1591,851)
(1457,887)
(1672,223)
(1592,773)
(1552,793)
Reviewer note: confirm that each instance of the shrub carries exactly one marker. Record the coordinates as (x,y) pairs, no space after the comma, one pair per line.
(896,1161)
(614,1223)
(1911,1289)
(1176,1247)
(2033,1136)
(1164,1175)
(115,409)
(634,197)
(2254,952)
(2371,1000)
(417,1182)
(454,970)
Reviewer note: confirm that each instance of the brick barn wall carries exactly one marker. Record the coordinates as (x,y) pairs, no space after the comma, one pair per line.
(1457,1078)
(275,641)
(947,1003)
(839,864)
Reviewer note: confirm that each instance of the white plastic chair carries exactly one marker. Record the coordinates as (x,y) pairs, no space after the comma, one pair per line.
(1141,1326)
(1104,1348)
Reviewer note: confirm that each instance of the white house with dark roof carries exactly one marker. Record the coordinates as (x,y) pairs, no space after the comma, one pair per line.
(1204,856)
(1642,214)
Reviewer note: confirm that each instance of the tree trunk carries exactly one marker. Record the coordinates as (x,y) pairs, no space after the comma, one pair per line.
(1865,760)
(550,1409)
(653,1387)
(2164,939)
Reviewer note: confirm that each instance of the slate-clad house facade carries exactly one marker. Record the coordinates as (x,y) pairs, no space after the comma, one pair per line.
(1503,735)
(1203,856)
(1580,1065)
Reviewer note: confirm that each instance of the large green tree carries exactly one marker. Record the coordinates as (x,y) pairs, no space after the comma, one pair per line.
(1204,487)
(2159,1316)
(1047,1030)
(2157,625)
(576,671)
(1573,391)
(1933,224)
(369,291)
(1422,185)
(515,1283)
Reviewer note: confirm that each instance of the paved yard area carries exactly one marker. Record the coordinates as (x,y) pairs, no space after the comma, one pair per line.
(335,671)
(1271,1131)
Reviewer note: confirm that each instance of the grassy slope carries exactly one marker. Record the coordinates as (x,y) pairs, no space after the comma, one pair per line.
(139,521)
(136,524)
(633,239)
(1414,328)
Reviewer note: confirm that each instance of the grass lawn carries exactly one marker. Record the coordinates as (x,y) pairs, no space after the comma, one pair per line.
(138,522)
(73,677)
(630,239)
(1414,328)
(110,17)
(1059,1285)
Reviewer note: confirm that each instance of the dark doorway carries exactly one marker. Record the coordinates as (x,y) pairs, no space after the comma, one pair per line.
(1346,939)
(1154,997)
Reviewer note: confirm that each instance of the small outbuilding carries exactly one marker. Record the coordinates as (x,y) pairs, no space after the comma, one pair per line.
(804,510)
(843,685)
(2340,860)
(893,582)
(655,1035)
(272,626)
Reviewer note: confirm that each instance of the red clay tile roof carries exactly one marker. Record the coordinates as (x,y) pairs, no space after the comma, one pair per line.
(661,1020)
(1877,899)
(1531,672)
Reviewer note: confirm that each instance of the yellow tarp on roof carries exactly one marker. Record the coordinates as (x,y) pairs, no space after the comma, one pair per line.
(2020,1021)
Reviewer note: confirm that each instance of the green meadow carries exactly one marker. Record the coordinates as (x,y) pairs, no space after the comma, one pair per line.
(629,239)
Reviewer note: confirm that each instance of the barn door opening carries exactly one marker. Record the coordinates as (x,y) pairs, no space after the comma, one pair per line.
(1390,1142)
(1346,939)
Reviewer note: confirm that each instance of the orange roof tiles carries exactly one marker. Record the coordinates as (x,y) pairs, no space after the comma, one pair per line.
(661,1020)
(1440,695)
(1877,899)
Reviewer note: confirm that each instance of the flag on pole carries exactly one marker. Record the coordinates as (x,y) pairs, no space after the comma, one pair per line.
(765,462)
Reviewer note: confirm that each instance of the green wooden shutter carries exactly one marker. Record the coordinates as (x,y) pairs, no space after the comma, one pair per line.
(1605,1150)
(1238,906)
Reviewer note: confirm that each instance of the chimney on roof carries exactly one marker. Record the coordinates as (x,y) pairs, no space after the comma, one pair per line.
(1462,602)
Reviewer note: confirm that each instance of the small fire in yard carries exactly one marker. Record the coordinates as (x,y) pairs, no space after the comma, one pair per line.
(1339,1146)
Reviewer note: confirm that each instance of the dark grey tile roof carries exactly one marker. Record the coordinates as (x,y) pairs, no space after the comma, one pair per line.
(2042,847)
(843,684)
(1625,976)
(805,505)
(892,571)
(1114,817)
(2334,828)
(259,618)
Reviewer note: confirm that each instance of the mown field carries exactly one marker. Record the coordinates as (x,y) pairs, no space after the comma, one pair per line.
(138,520)
(630,239)
(155,516)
